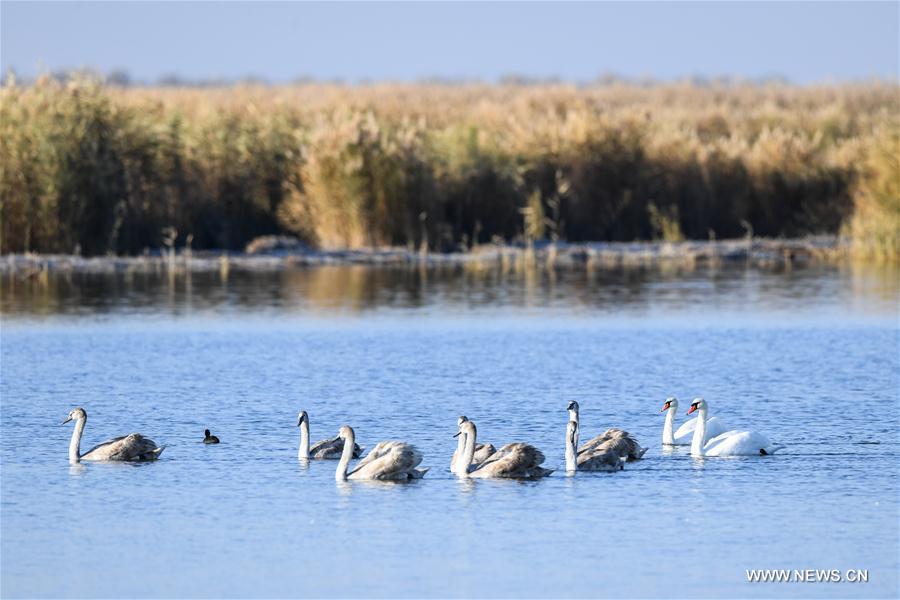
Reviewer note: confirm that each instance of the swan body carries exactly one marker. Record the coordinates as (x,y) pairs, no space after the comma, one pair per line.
(387,461)
(730,443)
(614,438)
(516,460)
(132,447)
(684,435)
(482,451)
(598,458)
(324,449)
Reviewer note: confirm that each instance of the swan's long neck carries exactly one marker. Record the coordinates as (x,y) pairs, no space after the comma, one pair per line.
(571,446)
(346,455)
(303,452)
(668,433)
(468,453)
(699,434)
(460,451)
(75,443)
(573,415)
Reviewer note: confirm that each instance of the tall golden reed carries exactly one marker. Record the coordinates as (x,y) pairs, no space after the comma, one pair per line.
(94,169)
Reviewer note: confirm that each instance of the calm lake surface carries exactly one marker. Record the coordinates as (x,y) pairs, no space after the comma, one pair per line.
(808,357)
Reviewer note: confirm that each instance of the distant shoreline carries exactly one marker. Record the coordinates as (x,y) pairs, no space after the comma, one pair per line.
(756,252)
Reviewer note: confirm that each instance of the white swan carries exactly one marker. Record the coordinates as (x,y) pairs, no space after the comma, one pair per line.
(625,444)
(128,447)
(516,460)
(388,461)
(685,434)
(599,458)
(330,448)
(730,443)
(482,451)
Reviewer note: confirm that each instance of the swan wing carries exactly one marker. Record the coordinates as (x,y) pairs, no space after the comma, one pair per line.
(715,427)
(101,449)
(374,454)
(687,428)
(129,447)
(722,436)
(495,456)
(513,460)
(623,445)
(738,443)
(599,460)
(393,460)
(594,441)
(609,434)
(332,448)
(483,452)
(326,448)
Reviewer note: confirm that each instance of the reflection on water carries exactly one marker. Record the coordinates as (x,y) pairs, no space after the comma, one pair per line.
(356,289)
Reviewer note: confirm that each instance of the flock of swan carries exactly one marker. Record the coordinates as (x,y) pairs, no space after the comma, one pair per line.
(398,461)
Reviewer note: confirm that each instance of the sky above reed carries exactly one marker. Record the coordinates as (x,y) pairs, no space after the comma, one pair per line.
(803,42)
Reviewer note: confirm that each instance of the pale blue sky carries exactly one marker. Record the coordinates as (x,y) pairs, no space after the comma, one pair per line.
(279,41)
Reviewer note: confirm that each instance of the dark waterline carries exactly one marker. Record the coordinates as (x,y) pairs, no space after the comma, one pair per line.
(858,290)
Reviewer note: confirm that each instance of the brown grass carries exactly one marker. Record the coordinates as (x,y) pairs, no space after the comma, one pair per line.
(94,169)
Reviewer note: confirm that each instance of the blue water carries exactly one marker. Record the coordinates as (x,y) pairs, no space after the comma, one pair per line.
(808,358)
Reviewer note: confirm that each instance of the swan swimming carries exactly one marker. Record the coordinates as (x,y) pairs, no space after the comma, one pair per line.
(328,449)
(621,440)
(730,443)
(209,438)
(516,460)
(598,458)
(131,447)
(388,461)
(482,451)
(685,434)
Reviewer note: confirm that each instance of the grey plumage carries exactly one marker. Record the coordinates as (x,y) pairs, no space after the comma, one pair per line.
(387,461)
(331,449)
(600,457)
(517,460)
(131,447)
(482,451)
(618,439)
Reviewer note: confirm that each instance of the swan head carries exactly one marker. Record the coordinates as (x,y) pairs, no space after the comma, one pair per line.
(572,406)
(670,403)
(467,427)
(74,415)
(302,417)
(697,404)
(346,433)
(461,419)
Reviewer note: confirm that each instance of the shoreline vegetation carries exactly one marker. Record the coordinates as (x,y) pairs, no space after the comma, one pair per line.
(279,253)
(463,171)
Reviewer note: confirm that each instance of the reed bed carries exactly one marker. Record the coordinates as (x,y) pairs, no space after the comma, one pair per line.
(91,169)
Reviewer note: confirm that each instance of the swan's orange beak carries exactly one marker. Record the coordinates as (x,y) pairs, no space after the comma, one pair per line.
(665,407)
(692,408)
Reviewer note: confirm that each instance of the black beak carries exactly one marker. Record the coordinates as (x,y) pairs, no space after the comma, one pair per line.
(66,421)
(457,434)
